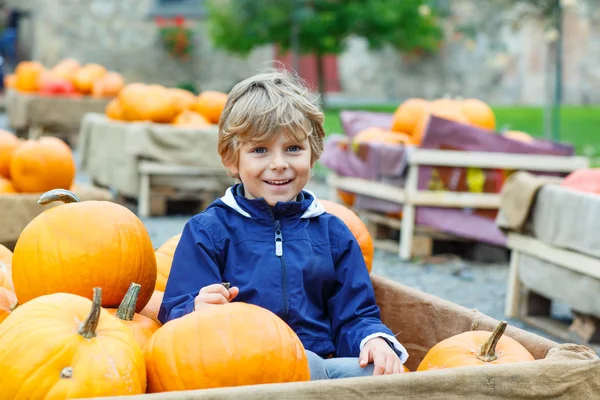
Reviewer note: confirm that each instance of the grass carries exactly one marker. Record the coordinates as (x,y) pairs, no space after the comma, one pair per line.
(579,126)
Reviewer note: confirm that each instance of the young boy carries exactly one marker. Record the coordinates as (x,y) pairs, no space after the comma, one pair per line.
(275,243)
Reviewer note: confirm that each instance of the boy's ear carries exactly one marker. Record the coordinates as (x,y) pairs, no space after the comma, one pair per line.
(232,168)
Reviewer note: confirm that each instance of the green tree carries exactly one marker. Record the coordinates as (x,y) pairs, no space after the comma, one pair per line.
(322,27)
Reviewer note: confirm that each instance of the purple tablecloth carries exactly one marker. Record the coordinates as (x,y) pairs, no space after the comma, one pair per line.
(387,163)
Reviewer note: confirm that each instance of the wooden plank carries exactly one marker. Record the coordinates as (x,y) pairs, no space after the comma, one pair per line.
(366,187)
(481,159)
(154,168)
(441,198)
(565,258)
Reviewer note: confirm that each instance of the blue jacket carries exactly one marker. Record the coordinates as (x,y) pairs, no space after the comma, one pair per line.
(293,259)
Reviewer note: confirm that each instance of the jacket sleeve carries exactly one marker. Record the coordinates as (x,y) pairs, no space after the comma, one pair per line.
(354,314)
(195,265)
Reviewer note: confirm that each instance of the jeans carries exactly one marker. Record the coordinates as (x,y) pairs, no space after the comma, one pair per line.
(335,368)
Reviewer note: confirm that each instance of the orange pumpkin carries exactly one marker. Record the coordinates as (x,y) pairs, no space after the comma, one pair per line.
(142,327)
(225,340)
(40,165)
(108,86)
(65,346)
(114,110)
(584,180)
(86,76)
(151,309)
(479,114)
(443,108)
(519,135)
(6,268)
(10,81)
(8,144)
(66,69)
(27,74)
(346,198)
(356,226)
(6,187)
(380,135)
(183,98)
(8,302)
(77,246)
(210,103)
(164,258)
(475,348)
(408,114)
(148,103)
(191,118)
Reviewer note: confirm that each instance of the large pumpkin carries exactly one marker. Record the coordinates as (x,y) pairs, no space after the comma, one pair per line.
(86,76)
(153,306)
(64,346)
(141,326)
(141,102)
(8,302)
(584,180)
(479,114)
(448,109)
(210,103)
(356,226)
(233,344)
(77,246)
(408,114)
(8,144)
(114,110)
(37,166)
(6,268)
(475,348)
(6,186)
(164,258)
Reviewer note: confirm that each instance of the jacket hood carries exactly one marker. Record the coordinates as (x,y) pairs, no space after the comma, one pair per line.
(308,205)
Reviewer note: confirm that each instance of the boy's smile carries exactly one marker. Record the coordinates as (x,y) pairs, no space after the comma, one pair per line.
(276,170)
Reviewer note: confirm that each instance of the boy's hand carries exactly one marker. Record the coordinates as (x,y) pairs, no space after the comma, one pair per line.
(378,351)
(214,294)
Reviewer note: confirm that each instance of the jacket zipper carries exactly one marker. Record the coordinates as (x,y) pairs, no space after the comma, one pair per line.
(279,253)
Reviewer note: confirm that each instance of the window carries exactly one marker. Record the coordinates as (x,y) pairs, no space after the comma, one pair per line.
(171,8)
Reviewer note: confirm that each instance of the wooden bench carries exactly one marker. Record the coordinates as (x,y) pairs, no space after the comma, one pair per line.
(411,197)
(147,169)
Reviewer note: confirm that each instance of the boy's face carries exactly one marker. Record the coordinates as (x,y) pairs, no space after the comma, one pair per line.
(276,171)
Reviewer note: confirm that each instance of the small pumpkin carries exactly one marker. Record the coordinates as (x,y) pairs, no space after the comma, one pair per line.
(408,114)
(210,103)
(141,326)
(6,187)
(10,81)
(8,302)
(51,84)
(108,85)
(153,306)
(380,135)
(183,98)
(66,346)
(164,258)
(27,74)
(584,180)
(475,348)
(86,76)
(66,69)
(225,340)
(519,135)
(346,198)
(148,103)
(39,165)
(8,144)
(114,110)
(479,113)
(77,246)
(6,268)
(356,226)
(191,118)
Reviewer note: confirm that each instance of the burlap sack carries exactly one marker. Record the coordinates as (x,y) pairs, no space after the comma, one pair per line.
(17,210)
(565,371)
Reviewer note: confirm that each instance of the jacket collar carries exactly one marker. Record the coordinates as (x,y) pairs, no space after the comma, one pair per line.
(252,208)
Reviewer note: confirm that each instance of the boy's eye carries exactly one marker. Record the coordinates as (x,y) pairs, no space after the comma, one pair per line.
(259,150)
(294,148)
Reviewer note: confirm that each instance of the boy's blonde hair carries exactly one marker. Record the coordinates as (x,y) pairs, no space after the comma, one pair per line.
(266,104)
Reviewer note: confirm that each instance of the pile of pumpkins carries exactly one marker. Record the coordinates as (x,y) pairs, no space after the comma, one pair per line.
(156,103)
(84,283)
(67,78)
(34,165)
(411,117)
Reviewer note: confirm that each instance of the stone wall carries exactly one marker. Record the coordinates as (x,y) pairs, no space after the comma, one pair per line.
(501,65)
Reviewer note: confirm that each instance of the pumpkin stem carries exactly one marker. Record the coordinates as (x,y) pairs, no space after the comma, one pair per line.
(14,306)
(126,309)
(58,195)
(66,373)
(487,353)
(88,328)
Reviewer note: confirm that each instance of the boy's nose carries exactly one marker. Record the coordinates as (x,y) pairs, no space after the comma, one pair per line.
(278,162)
